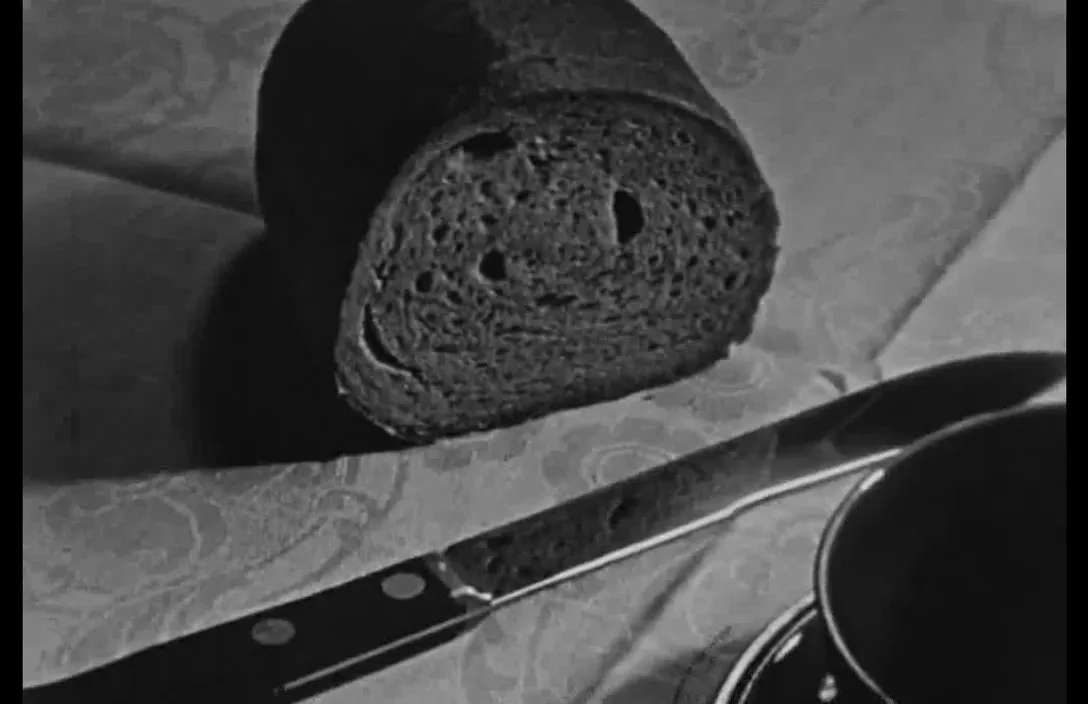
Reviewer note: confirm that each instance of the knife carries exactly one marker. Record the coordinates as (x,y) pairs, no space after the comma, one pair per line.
(299,649)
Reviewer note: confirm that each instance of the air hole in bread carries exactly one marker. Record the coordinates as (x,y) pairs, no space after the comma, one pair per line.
(424,282)
(487,144)
(683,137)
(734,279)
(439,233)
(554,300)
(493,266)
(538,162)
(372,339)
(522,196)
(489,192)
(709,222)
(627,214)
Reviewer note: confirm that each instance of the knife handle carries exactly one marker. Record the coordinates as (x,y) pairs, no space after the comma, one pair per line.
(290,652)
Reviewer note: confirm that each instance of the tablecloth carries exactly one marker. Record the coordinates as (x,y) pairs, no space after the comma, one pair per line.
(917,148)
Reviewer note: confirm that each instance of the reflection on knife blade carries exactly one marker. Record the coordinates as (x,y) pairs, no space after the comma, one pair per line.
(379,619)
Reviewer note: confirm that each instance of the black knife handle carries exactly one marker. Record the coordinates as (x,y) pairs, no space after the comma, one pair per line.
(283,654)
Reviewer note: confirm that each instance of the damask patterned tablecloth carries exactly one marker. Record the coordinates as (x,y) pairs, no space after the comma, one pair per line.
(918,152)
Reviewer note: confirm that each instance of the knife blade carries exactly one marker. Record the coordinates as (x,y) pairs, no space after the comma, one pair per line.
(301,648)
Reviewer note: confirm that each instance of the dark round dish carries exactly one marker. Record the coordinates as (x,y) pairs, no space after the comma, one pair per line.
(788,664)
(940,579)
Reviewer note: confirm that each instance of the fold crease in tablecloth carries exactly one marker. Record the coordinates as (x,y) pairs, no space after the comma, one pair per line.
(961,251)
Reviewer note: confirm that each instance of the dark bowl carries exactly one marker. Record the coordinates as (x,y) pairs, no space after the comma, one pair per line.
(942,577)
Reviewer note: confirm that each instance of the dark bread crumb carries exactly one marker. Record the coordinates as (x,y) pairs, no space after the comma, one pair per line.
(572,250)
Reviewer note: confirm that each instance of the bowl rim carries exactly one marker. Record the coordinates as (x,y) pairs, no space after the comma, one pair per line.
(745,671)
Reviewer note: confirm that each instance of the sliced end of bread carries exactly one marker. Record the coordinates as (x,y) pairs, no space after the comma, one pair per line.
(566,249)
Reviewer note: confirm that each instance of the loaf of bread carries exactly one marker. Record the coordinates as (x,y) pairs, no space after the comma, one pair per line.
(515,206)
